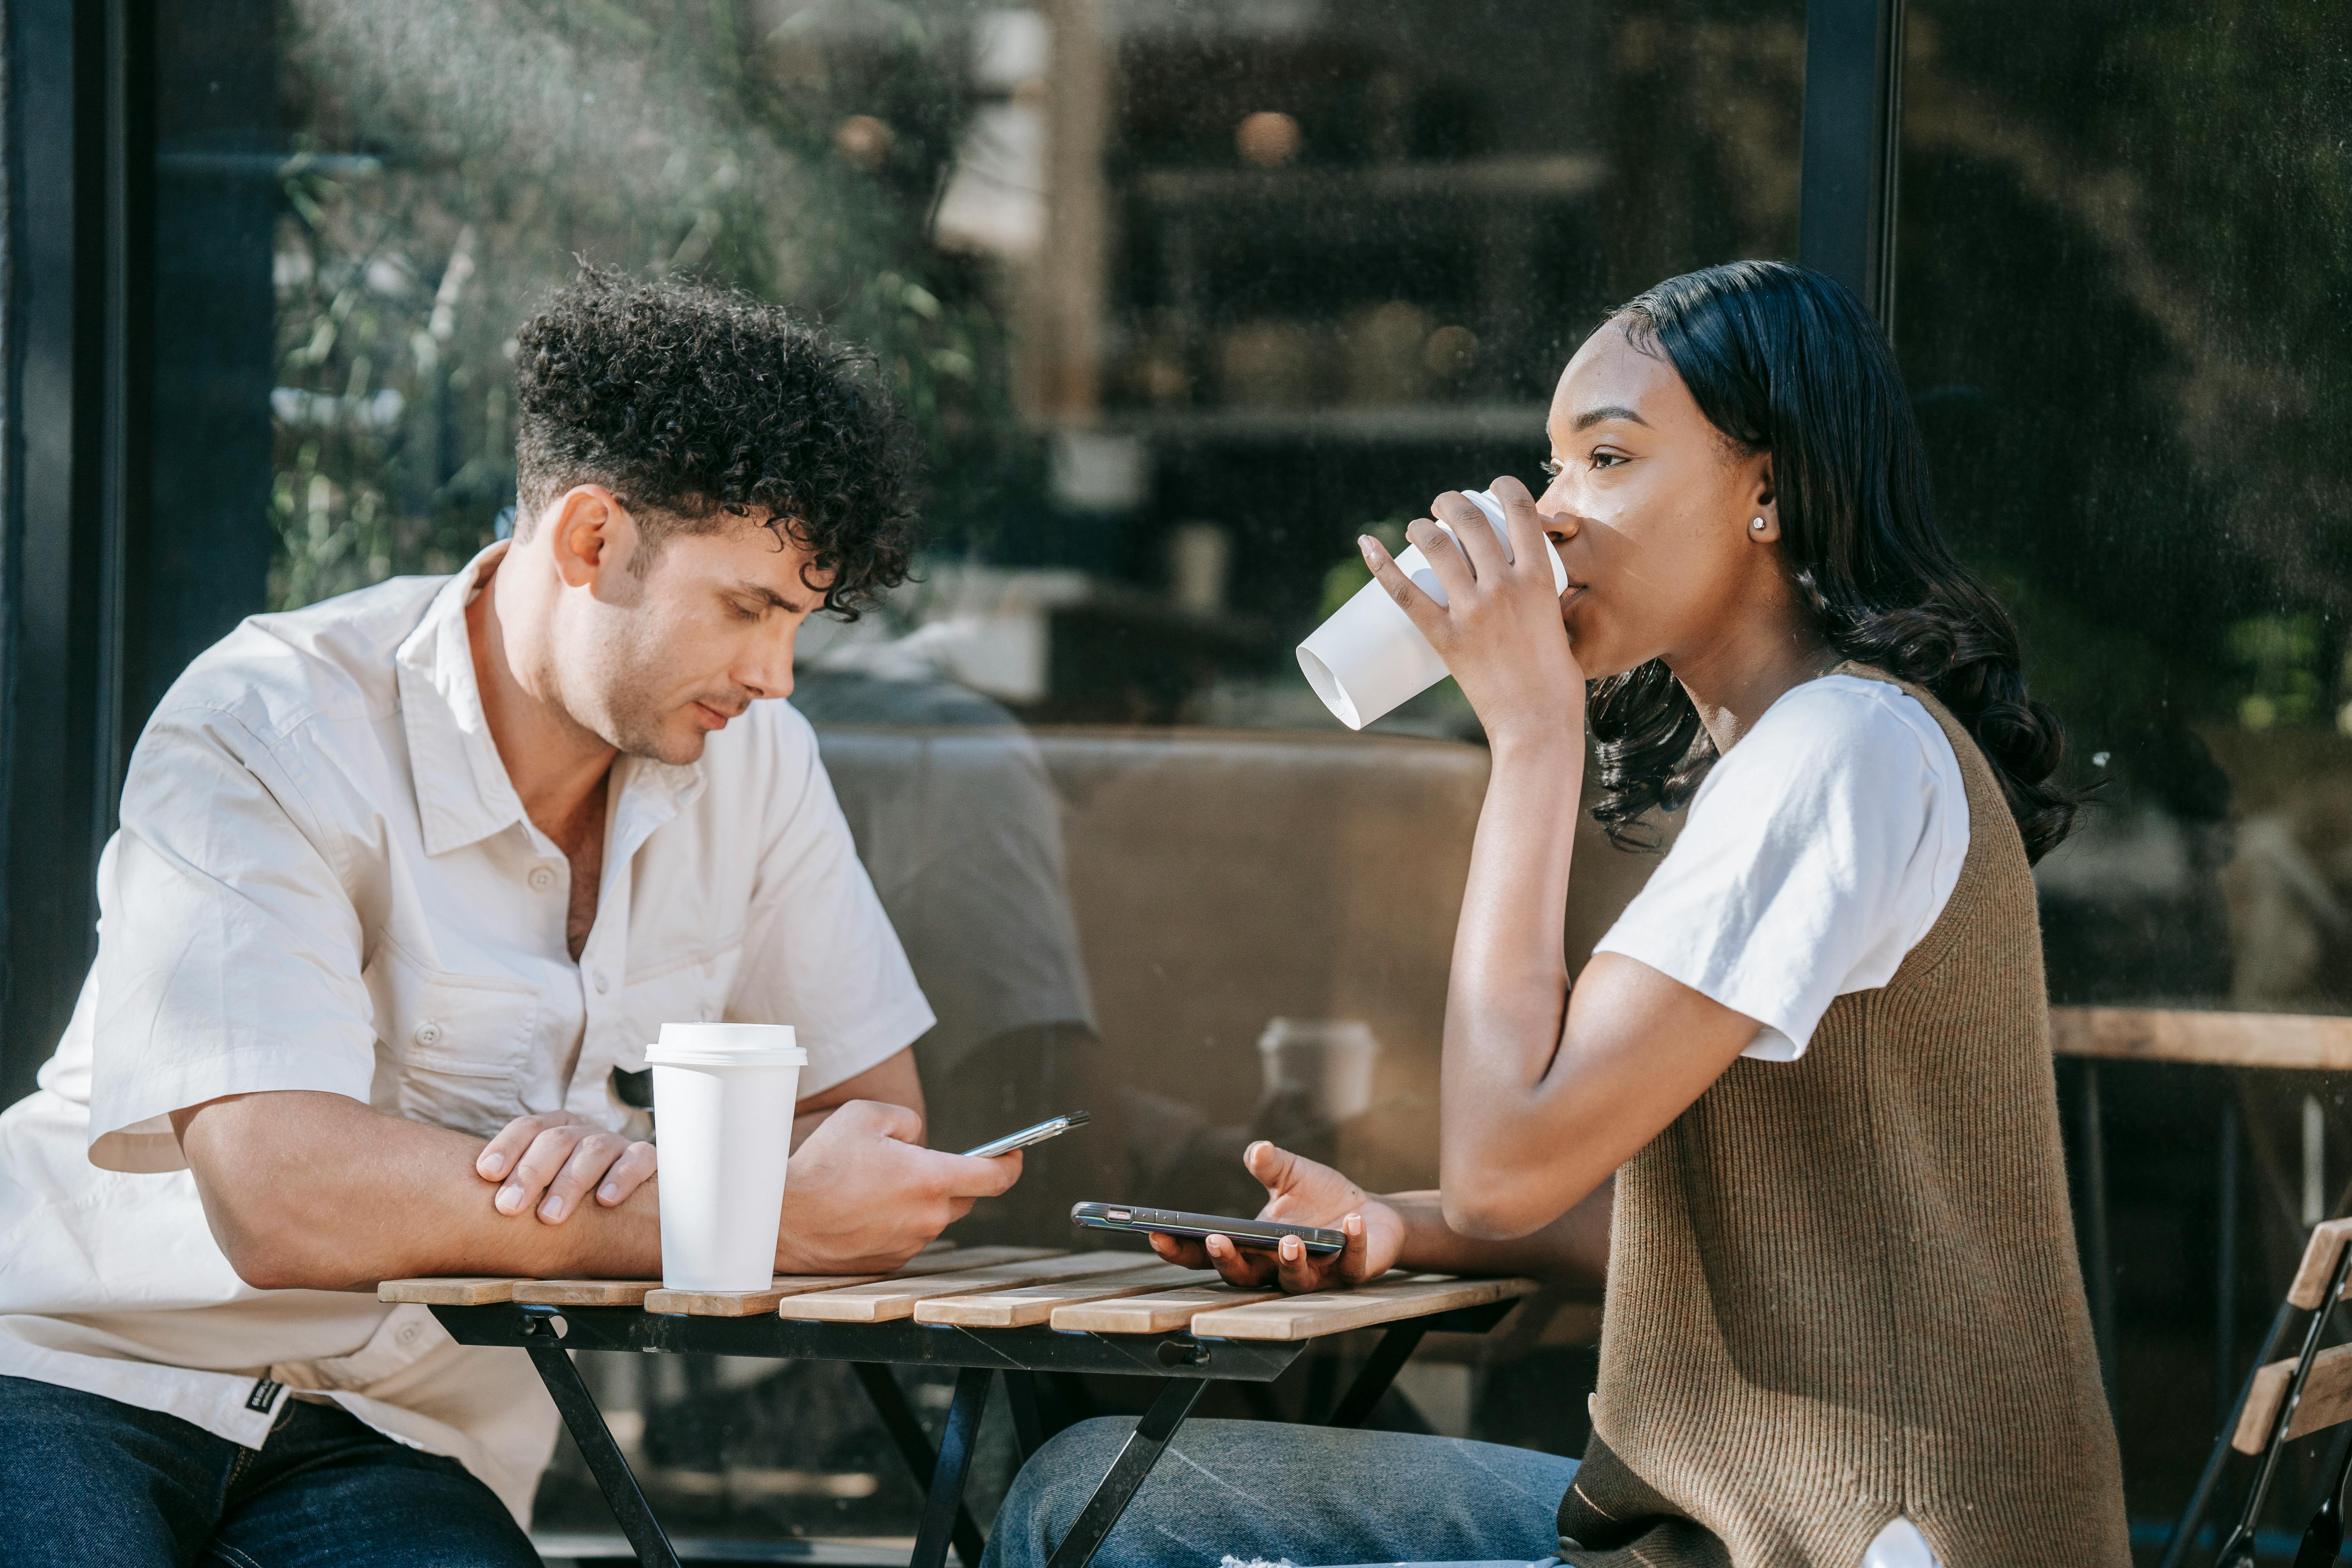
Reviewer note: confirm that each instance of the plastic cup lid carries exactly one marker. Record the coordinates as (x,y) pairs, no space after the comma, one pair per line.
(727,1045)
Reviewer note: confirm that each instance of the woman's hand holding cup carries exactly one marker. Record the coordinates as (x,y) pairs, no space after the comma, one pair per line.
(1498,628)
(1300,1192)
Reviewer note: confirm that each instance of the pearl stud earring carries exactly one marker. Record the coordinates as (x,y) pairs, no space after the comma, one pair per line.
(1757,525)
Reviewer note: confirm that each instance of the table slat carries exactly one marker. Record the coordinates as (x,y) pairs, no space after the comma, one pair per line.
(584,1292)
(1334,1311)
(890,1299)
(1028,1304)
(470,1290)
(1153,1314)
(752,1303)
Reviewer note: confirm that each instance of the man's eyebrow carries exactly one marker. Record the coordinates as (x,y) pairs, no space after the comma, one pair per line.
(762,592)
(1591,416)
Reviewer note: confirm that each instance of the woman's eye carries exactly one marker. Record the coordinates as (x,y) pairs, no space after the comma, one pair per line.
(1607,459)
(1551,467)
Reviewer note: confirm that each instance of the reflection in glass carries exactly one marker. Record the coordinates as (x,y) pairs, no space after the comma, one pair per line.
(1181,296)
(2122,273)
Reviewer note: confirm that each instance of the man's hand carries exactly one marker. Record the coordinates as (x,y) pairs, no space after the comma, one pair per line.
(555,1159)
(1300,1192)
(863,1195)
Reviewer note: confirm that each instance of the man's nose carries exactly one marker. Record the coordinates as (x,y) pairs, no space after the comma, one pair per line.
(767,671)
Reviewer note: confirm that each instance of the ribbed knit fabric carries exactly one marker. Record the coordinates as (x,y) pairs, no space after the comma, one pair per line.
(1844,1289)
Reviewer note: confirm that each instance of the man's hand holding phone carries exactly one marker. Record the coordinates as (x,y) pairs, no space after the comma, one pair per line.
(1300,1192)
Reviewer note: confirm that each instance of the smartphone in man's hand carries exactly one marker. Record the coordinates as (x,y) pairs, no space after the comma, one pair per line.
(1052,1127)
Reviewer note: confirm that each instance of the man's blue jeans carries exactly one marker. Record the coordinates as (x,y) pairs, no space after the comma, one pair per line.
(86,1482)
(1308,1495)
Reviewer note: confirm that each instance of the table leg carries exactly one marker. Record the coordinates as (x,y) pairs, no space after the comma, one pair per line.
(2225,1268)
(1388,1358)
(890,1403)
(606,1461)
(1141,1452)
(2102,1270)
(943,1504)
(1028,1425)
(2184,1533)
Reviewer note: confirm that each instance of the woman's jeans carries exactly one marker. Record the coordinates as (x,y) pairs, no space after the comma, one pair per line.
(1308,1495)
(86,1482)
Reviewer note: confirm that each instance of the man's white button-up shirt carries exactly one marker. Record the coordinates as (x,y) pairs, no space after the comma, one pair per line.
(324,880)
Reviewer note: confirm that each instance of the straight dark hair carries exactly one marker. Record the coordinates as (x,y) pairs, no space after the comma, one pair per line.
(1784,360)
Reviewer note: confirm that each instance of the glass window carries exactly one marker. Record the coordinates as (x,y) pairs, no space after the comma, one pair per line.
(1181,295)
(2122,273)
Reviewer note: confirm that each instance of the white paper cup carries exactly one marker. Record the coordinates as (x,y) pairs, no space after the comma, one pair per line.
(1369,656)
(723,1098)
(1326,1061)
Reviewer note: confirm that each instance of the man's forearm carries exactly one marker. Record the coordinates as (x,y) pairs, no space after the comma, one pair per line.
(317,1191)
(1572,1249)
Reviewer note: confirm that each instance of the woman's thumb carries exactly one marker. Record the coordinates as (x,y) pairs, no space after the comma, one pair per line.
(1273,1167)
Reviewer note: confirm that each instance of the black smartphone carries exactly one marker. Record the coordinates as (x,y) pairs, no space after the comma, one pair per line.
(1260,1233)
(1052,1127)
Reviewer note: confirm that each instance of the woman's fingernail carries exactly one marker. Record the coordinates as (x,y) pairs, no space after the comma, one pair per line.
(493,1165)
(1291,1247)
(1371,549)
(609,1192)
(509,1200)
(1353,1224)
(552,1210)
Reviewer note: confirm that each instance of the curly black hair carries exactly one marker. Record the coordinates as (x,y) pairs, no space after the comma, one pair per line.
(692,405)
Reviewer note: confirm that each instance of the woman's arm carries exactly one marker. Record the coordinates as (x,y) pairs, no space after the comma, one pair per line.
(1544,1091)
(1407,1229)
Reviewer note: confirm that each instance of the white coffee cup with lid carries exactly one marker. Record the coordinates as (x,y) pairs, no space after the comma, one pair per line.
(1369,656)
(723,1101)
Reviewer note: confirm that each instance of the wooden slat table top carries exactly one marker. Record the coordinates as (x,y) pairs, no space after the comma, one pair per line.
(752,1303)
(2298,1041)
(1025,1304)
(1007,1287)
(1334,1311)
(1161,1313)
(887,1300)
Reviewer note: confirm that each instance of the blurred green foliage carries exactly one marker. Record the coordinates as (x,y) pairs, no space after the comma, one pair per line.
(456,158)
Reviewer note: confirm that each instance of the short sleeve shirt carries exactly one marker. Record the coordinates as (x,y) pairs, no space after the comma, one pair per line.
(1816,853)
(324,880)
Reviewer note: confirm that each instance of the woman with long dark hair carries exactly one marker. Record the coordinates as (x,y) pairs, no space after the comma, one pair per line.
(1844,1322)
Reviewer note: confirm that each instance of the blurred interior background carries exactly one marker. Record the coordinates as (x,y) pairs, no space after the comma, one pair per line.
(1183,295)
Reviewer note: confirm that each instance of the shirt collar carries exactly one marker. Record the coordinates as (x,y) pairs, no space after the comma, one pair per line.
(463,793)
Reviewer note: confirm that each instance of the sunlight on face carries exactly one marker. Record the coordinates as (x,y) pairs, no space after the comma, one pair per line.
(1649,506)
(660,662)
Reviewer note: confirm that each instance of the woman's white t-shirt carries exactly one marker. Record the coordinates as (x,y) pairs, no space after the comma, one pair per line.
(1816,852)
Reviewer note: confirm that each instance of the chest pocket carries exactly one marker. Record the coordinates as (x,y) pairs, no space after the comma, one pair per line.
(451,1049)
(691,989)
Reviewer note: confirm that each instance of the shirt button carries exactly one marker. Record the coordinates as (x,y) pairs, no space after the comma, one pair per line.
(599,978)
(540,878)
(428,1033)
(408,1334)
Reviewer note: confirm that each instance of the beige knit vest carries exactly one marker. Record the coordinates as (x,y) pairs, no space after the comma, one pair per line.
(1844,1289)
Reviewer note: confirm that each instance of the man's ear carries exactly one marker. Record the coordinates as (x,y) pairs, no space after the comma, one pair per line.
(589,533)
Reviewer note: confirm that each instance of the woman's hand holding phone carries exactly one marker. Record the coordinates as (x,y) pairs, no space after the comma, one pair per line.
(1300,1192)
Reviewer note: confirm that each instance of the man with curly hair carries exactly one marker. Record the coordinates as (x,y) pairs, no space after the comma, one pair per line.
(405,883)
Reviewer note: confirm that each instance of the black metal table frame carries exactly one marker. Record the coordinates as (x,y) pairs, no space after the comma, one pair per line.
(1185,1364)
